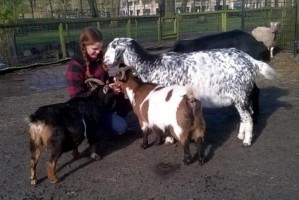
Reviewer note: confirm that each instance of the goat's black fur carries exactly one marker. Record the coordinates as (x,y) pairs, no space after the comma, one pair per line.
(236,38)
(62,127)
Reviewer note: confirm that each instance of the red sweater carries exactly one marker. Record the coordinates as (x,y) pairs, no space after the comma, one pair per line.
(76,75)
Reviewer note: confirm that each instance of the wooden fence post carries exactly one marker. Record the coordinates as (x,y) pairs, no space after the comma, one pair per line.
(159,30)
(67,31)
(129,28)
(98,25)
(224,21)
(62,41)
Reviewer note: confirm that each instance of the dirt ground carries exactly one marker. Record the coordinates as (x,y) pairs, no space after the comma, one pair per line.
(266,170)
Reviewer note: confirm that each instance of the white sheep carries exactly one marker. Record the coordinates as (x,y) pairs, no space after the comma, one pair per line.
(267,35)
(220,77)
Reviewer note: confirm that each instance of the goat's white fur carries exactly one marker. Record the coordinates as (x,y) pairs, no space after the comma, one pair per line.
(157,104)
(219,77)
(172,110)
(169,108)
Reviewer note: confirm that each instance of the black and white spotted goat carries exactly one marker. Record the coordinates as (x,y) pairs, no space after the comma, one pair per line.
(221,77)
(230,39)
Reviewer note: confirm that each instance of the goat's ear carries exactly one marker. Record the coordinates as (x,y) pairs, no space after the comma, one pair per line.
(119,50)
(117,77)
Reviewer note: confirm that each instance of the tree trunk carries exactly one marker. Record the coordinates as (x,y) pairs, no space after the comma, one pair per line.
(115,6)
(81,8)
(169,8)
(8,54)
(93,8)
(51,8)
(31,8)
(161,4)
(184,6)
(193,8)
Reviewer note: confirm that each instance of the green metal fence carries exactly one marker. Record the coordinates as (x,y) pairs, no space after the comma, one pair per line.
(47,41)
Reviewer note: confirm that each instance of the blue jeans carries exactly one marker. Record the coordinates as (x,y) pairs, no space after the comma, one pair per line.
(113,123)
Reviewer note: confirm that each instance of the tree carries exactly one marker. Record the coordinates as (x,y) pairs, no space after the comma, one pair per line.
(169,8)
(105,6)
(10,10)
(161,4)
(31,8)
(115,6)
(184,6)
(193,7)
(51,8)
(93,8)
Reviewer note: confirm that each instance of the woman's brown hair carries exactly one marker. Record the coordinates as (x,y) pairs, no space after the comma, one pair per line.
(89,36)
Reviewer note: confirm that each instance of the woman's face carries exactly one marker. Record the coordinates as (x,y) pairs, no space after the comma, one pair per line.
(93,50)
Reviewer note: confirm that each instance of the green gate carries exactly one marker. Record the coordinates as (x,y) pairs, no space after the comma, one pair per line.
(167,28)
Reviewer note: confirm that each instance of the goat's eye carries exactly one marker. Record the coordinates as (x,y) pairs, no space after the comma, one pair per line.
(105,89)
(113,46)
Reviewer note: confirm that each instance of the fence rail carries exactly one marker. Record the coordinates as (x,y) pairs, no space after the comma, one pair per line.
(46,41)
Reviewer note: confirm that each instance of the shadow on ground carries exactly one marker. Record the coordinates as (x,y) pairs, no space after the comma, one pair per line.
(222,122)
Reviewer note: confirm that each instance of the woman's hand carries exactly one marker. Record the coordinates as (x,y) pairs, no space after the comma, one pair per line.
(116,89)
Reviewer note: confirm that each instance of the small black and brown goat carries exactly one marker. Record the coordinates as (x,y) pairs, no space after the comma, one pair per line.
(172,110)
(62,127)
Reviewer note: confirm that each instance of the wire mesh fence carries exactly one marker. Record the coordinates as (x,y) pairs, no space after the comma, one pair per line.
(49,40)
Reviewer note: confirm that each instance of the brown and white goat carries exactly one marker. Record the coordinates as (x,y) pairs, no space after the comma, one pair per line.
(62,127)
(171,110)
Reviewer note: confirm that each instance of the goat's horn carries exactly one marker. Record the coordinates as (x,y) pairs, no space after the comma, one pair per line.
(123,69)
(134,71)
(126,68)
(98,81)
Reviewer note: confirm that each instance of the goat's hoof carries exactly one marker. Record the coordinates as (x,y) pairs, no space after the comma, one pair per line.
(187,161)
(54,180)
(33,182)
(143,146)
(246,145)
(241,137)
(95,156)
(201,160)
(169,140)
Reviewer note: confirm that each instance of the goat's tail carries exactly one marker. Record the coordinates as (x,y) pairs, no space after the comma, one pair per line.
(198,123)
(266,70)
(196,107)
(31,118)
(40,133)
